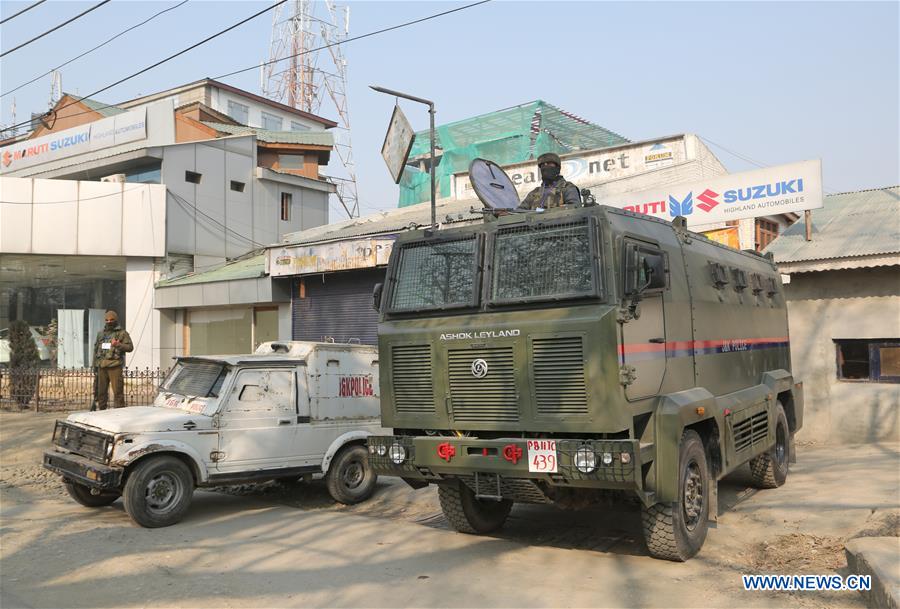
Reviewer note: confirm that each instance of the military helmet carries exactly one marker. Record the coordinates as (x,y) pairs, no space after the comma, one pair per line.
(549,157)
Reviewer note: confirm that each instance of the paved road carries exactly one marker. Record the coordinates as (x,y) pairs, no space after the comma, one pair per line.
(272,545)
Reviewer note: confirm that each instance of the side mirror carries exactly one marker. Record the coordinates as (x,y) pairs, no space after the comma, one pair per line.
(376,296)
(654,272)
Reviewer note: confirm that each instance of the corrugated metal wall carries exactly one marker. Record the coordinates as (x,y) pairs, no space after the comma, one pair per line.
(340,307)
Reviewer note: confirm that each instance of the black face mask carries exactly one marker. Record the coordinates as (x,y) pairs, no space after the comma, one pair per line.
(110,325)
(549,173)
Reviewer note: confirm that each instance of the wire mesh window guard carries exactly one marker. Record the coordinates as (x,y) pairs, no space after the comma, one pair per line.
(436,274)
(539,262)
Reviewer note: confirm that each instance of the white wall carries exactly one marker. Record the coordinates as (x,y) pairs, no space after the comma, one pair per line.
(219,101)
(72,217)
(142,320)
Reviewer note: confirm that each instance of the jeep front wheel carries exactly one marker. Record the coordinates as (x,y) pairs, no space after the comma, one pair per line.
(676,531)
(82,494)
(470,515)
(158,491)
(350,478)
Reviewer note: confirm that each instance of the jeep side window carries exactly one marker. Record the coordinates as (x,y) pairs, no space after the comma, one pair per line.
(257,391)
(645,269)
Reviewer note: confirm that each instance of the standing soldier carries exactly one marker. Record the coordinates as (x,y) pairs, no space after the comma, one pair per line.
(554,191)
(109,358)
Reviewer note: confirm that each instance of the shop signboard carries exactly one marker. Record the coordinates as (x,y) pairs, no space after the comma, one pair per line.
(119,129)
(762,192)
(398,142)
(587,168)
(327,257)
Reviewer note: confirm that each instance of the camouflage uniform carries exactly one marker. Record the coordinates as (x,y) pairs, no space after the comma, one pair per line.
(558,193)
(108,361)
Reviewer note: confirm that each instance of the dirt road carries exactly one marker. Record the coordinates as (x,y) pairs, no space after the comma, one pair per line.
(275,545)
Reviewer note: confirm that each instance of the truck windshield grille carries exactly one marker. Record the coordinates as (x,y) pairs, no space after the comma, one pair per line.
(435,275)
(543,262)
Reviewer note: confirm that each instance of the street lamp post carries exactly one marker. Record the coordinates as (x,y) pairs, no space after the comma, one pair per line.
(430,105)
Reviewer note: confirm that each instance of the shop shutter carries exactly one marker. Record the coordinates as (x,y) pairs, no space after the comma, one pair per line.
(340,307)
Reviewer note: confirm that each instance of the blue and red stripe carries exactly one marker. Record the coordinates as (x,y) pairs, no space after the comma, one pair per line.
(648,351)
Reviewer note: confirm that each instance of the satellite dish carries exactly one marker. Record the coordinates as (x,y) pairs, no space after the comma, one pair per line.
(492,185)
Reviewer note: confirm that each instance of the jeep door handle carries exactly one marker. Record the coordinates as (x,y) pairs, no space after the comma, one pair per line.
(658,341)
(284,421)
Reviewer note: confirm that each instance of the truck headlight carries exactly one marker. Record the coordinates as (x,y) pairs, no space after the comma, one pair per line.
(585,460)
(607,458)
(398,454)
(381,449)
(625,458)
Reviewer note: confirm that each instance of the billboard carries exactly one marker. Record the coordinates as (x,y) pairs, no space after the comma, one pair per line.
(587,168)
(398,142)
(326,257)
(119,129)
(763,192)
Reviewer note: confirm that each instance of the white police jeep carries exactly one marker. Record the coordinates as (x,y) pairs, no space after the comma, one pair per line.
(290,409)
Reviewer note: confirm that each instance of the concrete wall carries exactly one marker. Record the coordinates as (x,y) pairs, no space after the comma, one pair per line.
(142,321)
(823,306)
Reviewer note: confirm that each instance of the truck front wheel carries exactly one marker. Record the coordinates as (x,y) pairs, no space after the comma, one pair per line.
(158,491)
(82,494)
(676,531)
(470,515)
(350,478)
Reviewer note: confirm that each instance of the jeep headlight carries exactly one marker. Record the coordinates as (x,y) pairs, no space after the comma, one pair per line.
(398,454)
(585,460)
(109,449)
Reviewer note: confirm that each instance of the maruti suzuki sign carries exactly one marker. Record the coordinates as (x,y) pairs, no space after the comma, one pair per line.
(762,192)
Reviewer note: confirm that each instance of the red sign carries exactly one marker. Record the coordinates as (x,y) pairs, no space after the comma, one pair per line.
(512,453)
(356,387)
(446,451)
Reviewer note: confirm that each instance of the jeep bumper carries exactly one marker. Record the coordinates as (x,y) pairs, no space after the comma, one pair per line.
(434,458)
(84,471)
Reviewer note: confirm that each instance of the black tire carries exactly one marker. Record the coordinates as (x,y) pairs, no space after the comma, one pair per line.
(350,478)
(770,469)
(676,531)
(469,515)
(158,492)
(82,494)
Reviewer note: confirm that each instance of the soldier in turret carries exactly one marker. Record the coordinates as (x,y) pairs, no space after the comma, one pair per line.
(109,358)
(555,190)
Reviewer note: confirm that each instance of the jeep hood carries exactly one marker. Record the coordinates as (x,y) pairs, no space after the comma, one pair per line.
(136,419)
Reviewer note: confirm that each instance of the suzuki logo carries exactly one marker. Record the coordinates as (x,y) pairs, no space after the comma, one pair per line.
(707,200)
(479,368)
(7,158)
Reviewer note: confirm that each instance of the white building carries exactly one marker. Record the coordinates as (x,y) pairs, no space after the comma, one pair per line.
(101,202)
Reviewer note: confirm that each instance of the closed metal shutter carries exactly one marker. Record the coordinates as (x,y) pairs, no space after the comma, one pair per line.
(339,308)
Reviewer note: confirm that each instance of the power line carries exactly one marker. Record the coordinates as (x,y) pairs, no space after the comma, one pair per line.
(408,23)
(150,67)
(51,70)
(24,10)
(352,38)
(51,30)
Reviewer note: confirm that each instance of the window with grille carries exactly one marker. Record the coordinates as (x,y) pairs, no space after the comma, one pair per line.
(435,275)
(766,232)
(543,262)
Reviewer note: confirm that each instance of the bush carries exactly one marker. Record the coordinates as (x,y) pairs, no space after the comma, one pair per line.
(23,361)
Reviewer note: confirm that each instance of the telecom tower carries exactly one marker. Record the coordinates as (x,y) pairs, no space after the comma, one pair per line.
(304,31)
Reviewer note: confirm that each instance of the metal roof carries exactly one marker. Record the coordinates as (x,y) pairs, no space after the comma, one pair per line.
(851,224)
(411,217)
(309,138)
(247,268)
(99,107)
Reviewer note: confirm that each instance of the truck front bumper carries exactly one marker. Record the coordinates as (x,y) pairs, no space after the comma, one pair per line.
(435,458)
(84,471)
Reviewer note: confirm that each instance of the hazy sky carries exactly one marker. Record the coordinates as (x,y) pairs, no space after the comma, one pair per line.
(773,81)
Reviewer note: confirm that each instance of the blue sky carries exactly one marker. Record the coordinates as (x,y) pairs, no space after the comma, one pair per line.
(774,82)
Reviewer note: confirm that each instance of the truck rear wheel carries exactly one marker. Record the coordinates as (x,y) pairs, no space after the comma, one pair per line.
(770,469)
(82,494)
(158,491)
(350,478)
(470,515)
(676,531)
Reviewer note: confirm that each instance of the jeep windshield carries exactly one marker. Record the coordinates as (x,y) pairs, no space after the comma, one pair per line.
(194,378)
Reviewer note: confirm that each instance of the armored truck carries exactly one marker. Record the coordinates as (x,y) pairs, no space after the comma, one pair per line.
(580,355)
(290,410)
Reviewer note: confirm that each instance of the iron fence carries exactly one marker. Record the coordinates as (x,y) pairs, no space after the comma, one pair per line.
(56,389)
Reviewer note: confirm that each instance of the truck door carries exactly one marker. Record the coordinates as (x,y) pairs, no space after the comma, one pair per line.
(643,348)
(258,422)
